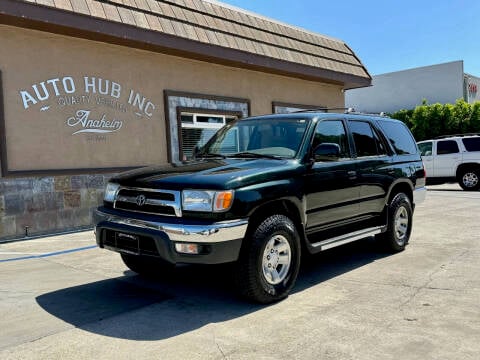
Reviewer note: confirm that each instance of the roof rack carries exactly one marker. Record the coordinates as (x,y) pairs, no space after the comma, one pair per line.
(324,109)
(456,135)
(349,110)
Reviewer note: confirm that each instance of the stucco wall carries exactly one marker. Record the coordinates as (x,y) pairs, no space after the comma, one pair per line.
(45,135)
(442,83)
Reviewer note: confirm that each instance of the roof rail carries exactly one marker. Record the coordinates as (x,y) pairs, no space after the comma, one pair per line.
(324,109)
(346,110)
(456,135)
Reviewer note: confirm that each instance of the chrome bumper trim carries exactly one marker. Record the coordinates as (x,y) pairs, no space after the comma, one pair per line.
(419,195)
(213,233)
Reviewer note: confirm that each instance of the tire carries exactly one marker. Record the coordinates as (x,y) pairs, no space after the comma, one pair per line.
(469,179)
(147,266)
(399,226)
(269,260)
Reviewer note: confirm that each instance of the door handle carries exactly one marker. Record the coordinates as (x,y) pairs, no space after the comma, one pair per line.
(352,174)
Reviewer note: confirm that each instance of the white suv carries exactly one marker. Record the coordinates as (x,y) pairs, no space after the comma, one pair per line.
(453,159)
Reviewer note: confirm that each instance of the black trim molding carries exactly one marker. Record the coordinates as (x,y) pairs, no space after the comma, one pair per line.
(3,135)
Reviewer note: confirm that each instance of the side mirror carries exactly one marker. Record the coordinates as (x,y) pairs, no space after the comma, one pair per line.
(327,152)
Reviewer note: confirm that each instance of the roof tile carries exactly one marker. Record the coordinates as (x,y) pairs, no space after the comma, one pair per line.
(95,8)
(63,4)
(217,24)
(80,6)
(126,15)
(46,2)
(111,12)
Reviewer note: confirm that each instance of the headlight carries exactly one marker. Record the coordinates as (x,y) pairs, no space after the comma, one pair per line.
(207,200)
(110,192)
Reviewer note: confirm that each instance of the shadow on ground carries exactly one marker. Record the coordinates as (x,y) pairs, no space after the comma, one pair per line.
(132,307)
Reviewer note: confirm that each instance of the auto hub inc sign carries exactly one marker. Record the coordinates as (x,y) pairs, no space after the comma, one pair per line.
(97,105)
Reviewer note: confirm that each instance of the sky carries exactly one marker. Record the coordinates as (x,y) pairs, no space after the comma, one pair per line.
(387,35)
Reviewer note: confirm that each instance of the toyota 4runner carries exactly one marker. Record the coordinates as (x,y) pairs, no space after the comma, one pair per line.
(263,190)
(452,159)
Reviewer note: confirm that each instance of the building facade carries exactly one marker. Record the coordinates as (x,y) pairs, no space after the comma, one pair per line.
(441,83)
(89,88)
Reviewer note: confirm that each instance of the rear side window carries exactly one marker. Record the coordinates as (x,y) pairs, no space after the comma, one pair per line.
(472,144)
(366,140)
(447,147)
(400,137)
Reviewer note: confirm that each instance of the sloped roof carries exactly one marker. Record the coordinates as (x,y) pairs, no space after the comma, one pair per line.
(205,30)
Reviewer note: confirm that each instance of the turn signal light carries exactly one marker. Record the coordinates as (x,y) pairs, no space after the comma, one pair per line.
(223,200)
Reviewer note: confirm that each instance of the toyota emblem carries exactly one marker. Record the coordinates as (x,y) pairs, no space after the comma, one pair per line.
(140,200)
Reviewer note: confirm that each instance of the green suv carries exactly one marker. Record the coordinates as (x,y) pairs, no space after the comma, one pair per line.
(263,190)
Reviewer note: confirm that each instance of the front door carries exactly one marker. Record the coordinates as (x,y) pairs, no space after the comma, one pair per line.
(331,186)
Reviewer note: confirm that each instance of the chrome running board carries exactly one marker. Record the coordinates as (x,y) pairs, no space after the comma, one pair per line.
(347,238)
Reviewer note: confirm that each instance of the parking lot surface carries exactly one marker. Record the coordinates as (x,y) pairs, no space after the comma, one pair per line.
(63,298)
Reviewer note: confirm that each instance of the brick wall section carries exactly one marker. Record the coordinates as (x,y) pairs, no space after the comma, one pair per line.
(47,205)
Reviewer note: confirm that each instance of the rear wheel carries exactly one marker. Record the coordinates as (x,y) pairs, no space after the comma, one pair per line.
(399,224)
(147,266)
(469,179)
(269,261)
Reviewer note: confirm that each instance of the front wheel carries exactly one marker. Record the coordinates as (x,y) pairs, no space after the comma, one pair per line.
(399,224)
(469,179)
(269,261)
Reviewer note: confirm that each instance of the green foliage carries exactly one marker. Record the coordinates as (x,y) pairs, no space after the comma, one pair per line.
(431,120)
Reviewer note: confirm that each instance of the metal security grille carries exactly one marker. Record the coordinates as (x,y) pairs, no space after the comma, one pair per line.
(197,129)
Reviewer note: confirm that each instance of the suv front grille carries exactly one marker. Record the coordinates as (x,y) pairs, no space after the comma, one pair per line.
(150,201)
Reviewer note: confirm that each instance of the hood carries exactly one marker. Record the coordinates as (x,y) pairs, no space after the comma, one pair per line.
(208,174)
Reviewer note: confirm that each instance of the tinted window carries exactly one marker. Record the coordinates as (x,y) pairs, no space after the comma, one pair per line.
(472,144)
(425,148)
(400,137)
(366,140)
(332,131)
(447,147)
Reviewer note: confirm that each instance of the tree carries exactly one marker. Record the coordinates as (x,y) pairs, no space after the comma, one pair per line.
(429,121)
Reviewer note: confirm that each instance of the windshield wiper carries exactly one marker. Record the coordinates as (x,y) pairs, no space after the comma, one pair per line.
(247,154)
(210,155)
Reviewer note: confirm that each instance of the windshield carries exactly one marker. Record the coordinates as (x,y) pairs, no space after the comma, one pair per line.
(261,137)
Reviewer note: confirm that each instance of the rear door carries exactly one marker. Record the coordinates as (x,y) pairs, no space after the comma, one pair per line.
(447,159)
(373,166)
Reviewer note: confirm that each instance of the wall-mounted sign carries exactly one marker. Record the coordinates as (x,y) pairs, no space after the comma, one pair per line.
(91,100)
(472,87)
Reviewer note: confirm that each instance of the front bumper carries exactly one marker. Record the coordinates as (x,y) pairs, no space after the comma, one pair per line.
(219,242)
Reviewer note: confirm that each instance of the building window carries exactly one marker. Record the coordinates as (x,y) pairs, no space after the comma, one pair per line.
(198,128)
(193,118)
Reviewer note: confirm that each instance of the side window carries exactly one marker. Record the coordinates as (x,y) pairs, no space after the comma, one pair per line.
(399,136)
(472,144)
(447,147)
(332,131)
(425,148)
(367,142)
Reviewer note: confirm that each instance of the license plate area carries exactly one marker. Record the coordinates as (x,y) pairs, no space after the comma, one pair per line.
(128,243)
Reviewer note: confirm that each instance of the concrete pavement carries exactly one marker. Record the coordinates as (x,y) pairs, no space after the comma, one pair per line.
(61,297)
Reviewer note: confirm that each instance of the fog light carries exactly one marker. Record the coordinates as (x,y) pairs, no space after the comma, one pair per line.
(187,248)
